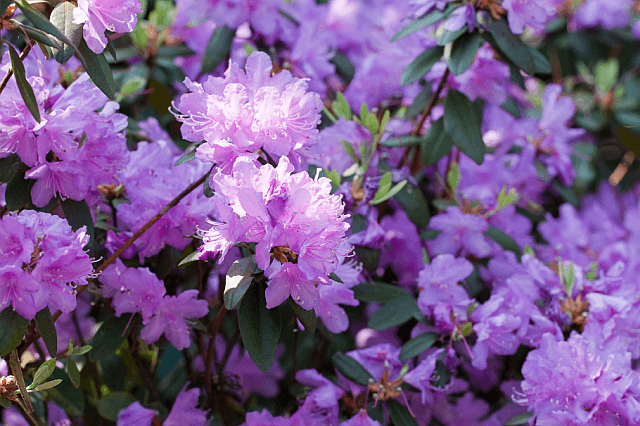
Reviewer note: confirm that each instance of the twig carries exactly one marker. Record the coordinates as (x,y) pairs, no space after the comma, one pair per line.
(215,327)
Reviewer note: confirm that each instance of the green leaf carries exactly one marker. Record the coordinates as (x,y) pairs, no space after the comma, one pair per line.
(18,192)
(78,215)
(417,345)
(435,144)
(4,4)
(376,413)
(189,154)
(38,35)
(12,329)
(453,177)
(402,141)
(259,327)
(414,204)
(447,36)
(307,318)
(191,257)
(341,106)
(334,277)
(463,125)
(464,52)
(399,414)
(109,337)
(47,329)
(378,292)
(48,385)
(566,193)
(351,369)
(522,419)
(83,350)
(423,22)
(66,395)
(62,18)
(97,67)
(344,67)
(73,372)
(396,312)
(503,240)
(111,404)
(540,62)
(393,191)
(421,65)
(239,278)
(44,371)
(24,87)
(5,402)
(512,45)
(606,74)
(383,186)
(217,49)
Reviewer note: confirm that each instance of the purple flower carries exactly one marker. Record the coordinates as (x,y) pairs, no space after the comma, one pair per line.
(602,13)
(247,111)
(135,415)
(464,15)
(440,295)
(98,16)
(264,418)
(530,13)
(361,419)
(184,411)
(170,317)
(461,234)
(421,376)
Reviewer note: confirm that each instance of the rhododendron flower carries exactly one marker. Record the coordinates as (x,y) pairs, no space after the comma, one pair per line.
(98,16)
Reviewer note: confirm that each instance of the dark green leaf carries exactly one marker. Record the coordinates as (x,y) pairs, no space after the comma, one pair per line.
(516,76)
(191,257)
(110,405)
(238,280)
(4,4)
(5,402)
(259,327)
(217,49)
(378,292)
(78,215)
(402,141)
(62,18)
(429,234)
(400,415)
(396,312)
(38,35)
(417,345)
(419,103)
(97,67)
(307,318)
(351,369)
(421,65)
(344,66)
(464,52)
(504,240)
(435,144)
(206,188)
(66,395)
(189,154)
(109,337)
(47,329)
(368,256)
(12,329)
(336,278)
(377,412)
(48,385)
(512,46)
(414,205)
(448,36)
(18,192)
(73,372)
(44,371)
(26,91)
(463,125)
(423,22)
(566,193)
(522,419)
(540,62)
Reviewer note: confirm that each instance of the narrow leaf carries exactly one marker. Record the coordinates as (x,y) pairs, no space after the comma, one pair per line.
(38,35)
(351,369)
(191,257)
(423,22)
(417,345)
(414,204)
(259,327)
(399,414)
(463,125)
(24,87)
(78,215)
(383,186)
(44,371)
(109,337)
(464,52)
(97,67)
(448,36)
(378,292)
(238,280)
(522,419)
(189,154)
(512,45)
(504,240)
(47,329)
(435,144)
(393,191)
(73,372)
(17,372)
(12,328)
(48,385)
(307,318)
(396,312)
(421,65)
(18,192)
(217,49)
(62,18)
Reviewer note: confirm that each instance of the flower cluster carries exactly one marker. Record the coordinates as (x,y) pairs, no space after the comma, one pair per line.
(41,262)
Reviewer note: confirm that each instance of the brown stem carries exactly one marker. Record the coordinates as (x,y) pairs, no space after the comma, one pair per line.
(215,327)
(427,113)
(114,256)
(9,73)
